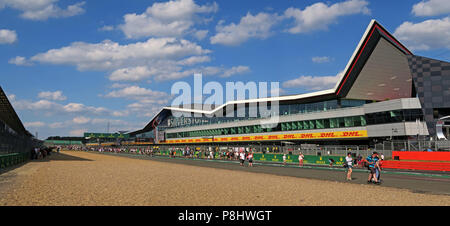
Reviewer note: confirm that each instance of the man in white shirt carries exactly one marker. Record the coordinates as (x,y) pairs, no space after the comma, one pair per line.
(349,161)
(242,158)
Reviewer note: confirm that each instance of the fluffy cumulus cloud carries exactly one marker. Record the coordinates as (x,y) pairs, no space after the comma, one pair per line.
(314,17)
(48,107)
(235,71)
(148,101)
(81,120)
(19,61)
(320,15)
(250,26)
(426,35)
(431,8)
(108,55)
(131,74)
(42,9)
(7,36)
(308,82)
(162,19)
(57,95)
(136,92)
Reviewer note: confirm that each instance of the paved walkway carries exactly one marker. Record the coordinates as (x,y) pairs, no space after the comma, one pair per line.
(84,178)
(420,182)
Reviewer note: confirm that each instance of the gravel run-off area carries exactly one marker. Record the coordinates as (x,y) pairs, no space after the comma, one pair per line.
(80,178)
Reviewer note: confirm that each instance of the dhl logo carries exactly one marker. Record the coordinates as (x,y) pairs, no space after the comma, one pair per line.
(350,134)
(327,135)
(323,135)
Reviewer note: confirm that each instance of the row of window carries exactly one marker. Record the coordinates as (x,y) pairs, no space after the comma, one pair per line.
(285,126)
(406,115)
(252,112)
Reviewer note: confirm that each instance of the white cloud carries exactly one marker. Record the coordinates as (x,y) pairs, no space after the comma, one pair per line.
(162,19)
(34,124)
(313,82)
(7,36)
(49,108)
(431,8)
(250,26)
(194,60)
(319,15)
(106,28)
(81,120)
(136,92)
(42,9)
(57,95)
(11,97)
(130,74)
(56,125)
(200,35)
(426,35)
(20,61)
(319,60)
(109,55)
(235,70)
(119,85)
(78,132)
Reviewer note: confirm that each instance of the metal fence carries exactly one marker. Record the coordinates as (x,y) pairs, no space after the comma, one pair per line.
(414,145)
(11,143)
(386,148)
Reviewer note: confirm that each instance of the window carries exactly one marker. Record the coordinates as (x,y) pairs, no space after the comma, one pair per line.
(319,124)
(348,121)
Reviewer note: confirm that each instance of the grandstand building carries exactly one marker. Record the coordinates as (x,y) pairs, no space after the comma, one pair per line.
(14,138)
(386,92)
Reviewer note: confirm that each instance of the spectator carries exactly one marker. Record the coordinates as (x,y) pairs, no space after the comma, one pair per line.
(284,159)
(250,159)
(242,158)
(349,161)
(300,159)
(372,161)
(378,168)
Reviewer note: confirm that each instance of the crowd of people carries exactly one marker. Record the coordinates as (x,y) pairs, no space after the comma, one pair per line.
(242,154)
(40,152)
(373,163)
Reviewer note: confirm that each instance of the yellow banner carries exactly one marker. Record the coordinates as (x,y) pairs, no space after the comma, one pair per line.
(292,136)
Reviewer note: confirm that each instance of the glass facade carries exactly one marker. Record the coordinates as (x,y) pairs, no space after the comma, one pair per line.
(284,109)
(341,122)
(406,115)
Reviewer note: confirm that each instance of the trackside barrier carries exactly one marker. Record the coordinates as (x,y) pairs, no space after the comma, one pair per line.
(7,160)
(308,159)
(434,166)
(421,155)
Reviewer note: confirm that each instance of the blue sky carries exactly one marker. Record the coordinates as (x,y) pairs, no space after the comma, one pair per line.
(72,66)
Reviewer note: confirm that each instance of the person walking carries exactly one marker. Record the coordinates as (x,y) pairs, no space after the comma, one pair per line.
(250,159)
(349,161)
(378,167)
(372,161)
(242,158)
(300,159)
(284,159)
